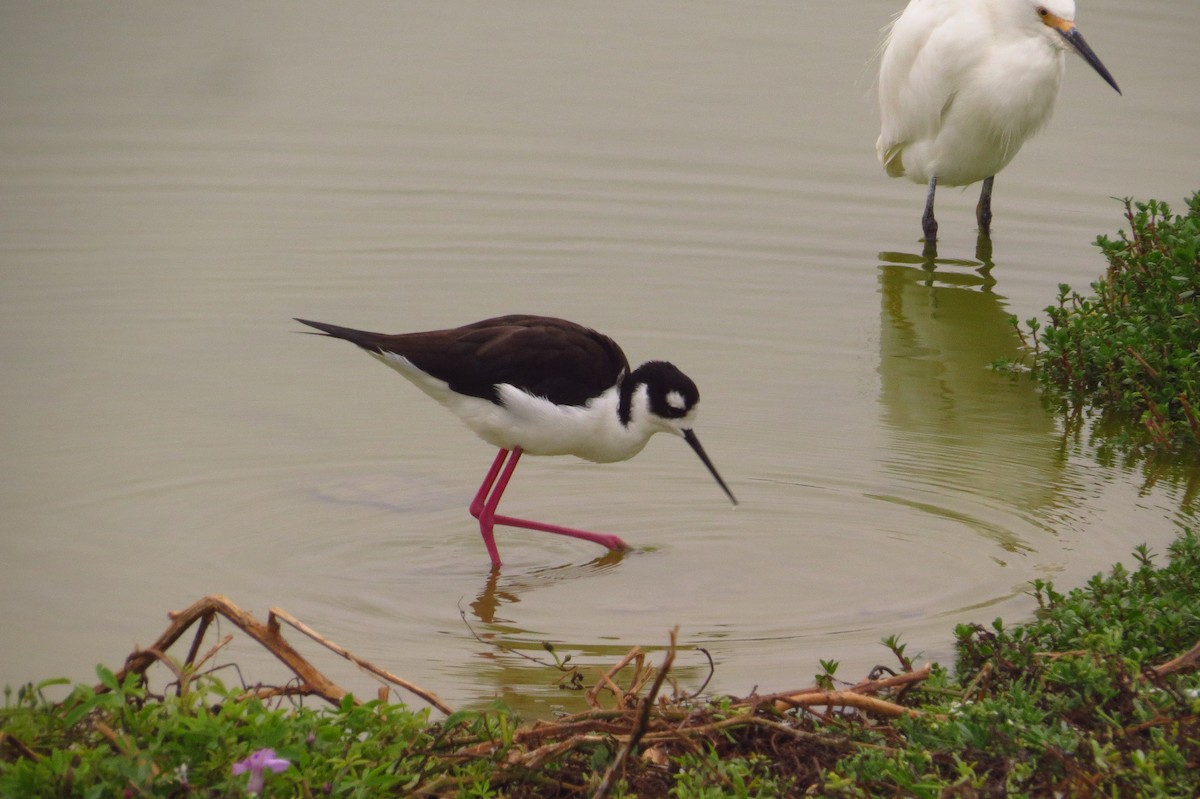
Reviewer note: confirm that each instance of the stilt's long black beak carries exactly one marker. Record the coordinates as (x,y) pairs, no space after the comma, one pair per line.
(694,443)
(1075,39)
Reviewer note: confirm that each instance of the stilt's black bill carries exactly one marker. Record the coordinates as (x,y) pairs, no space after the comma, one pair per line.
(694,443)
(1075,39)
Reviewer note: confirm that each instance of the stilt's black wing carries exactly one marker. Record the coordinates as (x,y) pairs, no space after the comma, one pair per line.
(566,363)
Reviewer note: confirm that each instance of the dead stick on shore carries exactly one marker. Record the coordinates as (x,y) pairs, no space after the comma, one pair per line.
(617,767)
(428,696)
(1188,661)
(869,704)
(904,680)
(269,636)
(896,680)
(607,681)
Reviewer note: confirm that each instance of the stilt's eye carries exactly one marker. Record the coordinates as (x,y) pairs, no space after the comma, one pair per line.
(676,401)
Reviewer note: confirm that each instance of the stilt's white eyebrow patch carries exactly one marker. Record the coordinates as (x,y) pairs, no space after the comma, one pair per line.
(676,401)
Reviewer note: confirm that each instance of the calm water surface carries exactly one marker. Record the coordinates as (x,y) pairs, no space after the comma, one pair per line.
(696,179)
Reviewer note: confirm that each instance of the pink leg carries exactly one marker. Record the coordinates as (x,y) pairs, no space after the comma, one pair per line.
(478,507)
(477,503)
(485,511)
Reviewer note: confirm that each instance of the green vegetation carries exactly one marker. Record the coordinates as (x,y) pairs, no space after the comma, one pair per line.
(1131,349)
(1084,700)
(1098,695)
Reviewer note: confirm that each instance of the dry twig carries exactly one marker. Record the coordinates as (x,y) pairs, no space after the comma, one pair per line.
(1188,661)
(311,680)
(616,768)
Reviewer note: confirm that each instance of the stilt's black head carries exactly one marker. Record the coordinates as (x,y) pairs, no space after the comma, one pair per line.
(671,393)
(671,397)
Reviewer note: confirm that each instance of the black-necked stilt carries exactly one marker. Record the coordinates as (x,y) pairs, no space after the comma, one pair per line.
(544,386)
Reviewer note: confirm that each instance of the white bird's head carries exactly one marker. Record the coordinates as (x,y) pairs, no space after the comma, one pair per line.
(1057,18)
(658,398)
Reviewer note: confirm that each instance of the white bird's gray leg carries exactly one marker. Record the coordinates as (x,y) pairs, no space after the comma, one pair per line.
(928,223)
(983,211)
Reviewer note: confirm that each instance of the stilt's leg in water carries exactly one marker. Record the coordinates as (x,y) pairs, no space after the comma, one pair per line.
(477,507)
(928,223)
(983,211)
(477,503)
(485,504)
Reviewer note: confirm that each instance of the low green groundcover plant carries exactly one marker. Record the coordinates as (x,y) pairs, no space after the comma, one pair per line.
(123,742)
(1131,348)
(1098,695)
(1076,702)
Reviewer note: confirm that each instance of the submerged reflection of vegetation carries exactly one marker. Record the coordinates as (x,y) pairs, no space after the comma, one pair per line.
(1119,371)
(1122,365)
(1114,440)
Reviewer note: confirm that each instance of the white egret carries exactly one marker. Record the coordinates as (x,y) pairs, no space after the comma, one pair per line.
(963,84)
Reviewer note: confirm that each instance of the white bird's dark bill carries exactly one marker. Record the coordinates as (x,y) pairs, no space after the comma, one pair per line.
(1079,45)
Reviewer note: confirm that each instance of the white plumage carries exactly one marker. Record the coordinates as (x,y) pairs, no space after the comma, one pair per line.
(963,84)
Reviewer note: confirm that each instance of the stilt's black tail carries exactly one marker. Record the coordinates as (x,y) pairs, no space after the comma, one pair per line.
(368,341)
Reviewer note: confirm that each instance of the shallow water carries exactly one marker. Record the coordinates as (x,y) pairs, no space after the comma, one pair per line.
(696,179)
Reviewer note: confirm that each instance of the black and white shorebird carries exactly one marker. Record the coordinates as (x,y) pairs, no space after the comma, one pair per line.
(544,386)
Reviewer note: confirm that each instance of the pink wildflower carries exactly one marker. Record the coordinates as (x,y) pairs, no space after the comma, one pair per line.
(255,764)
